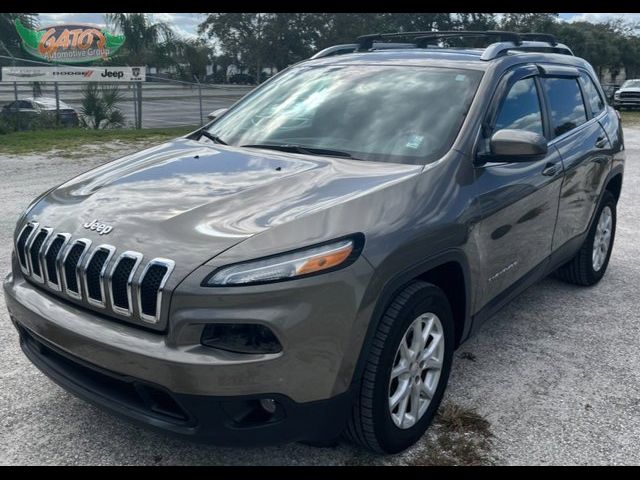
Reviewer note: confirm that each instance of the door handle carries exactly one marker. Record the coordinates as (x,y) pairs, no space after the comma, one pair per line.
(550,169)
(601,142)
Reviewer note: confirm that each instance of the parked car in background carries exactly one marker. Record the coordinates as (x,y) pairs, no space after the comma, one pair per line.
(628,95)
(34,107)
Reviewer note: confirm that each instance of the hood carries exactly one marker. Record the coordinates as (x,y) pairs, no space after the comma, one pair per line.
(189,201)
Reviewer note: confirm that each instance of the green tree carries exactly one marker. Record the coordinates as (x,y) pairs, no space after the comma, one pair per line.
(529,22)
(243,34)
(146,41)
(194,55)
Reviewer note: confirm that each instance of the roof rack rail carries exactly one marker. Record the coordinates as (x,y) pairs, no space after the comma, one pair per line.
(352,47)
(501,48)
(365,42)
(506,41)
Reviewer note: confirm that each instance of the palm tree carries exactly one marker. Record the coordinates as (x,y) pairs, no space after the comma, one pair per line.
(146,41)
(9,38)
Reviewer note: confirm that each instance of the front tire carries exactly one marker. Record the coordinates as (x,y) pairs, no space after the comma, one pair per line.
(591,261)
(406,372)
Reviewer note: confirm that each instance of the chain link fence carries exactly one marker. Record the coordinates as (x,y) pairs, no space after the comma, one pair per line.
(157,102)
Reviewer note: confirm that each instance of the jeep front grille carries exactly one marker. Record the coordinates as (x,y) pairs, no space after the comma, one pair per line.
(96,275)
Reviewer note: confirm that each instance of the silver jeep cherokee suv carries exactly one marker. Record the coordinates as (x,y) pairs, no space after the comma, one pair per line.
(305,265)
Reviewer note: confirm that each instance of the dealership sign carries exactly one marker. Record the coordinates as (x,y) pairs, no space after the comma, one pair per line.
(69,43)
(73,74)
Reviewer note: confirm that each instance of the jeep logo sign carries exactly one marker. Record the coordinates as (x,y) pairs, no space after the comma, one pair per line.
(101,228)
(111,74)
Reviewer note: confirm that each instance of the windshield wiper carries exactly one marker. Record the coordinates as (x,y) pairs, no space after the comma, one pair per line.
(288,147)
(213,138)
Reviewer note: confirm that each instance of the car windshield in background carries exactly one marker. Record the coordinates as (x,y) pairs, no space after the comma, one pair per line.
(631,84)
(378,113)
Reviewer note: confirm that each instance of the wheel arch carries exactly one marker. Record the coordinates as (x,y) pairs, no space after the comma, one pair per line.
(450,272)
(614,183)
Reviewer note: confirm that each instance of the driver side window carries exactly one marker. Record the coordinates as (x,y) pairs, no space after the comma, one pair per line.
(521,108)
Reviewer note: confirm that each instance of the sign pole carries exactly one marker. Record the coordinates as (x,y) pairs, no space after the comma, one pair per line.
(57,104)
(17,109)
(139,88)
(134,92)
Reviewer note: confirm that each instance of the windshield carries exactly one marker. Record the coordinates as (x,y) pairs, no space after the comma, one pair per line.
(631,83)
(370,112)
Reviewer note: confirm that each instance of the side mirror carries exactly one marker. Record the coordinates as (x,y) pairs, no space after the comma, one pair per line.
(216,113)
(517,145)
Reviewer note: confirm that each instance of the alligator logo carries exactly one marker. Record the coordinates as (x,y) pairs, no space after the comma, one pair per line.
(69,43)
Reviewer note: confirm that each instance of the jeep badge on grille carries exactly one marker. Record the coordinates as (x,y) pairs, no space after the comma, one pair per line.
(101,228)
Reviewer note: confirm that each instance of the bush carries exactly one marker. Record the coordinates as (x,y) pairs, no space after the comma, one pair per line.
(100,107)
(20,121)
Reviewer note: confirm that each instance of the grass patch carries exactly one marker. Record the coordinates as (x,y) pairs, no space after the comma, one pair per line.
(70,139)
(457,436)
(460,437)
(630,117)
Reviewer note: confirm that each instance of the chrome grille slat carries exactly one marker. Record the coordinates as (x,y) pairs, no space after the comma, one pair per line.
(90,295)
(155,316)
(34,253)
(22,245)
(137,258)
(57,284)
(74,269)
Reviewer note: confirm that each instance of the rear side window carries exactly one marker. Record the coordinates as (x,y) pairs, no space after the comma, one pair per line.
(591,93)
(565,103)
(521,108)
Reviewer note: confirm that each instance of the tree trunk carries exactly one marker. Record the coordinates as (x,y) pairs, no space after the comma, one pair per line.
(258,73)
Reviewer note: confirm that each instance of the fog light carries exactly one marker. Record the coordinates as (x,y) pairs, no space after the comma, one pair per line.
(243,338)
(269,405)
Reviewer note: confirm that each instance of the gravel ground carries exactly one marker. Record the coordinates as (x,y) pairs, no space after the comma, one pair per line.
(556,373)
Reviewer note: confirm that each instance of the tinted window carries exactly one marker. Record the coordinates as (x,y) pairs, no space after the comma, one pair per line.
(373,112)
(591,93)
(521,108)
(565,102)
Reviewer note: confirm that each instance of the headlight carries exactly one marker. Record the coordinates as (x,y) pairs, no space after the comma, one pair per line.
(300,263)
(616,95)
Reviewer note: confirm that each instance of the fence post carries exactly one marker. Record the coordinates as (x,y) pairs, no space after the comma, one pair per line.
(199,97)
(57,104)
(139,88)
(17,109)
(132,86)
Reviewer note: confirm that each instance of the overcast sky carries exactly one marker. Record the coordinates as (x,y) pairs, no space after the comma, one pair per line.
(186,24)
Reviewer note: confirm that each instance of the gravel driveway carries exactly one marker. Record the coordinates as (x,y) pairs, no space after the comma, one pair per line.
(556,373)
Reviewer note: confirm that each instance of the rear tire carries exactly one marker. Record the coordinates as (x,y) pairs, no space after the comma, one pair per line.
(422,308)
(587,267)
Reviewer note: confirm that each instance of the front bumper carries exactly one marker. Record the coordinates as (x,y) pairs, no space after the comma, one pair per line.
(236,421)
(626,102)
(170,381)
